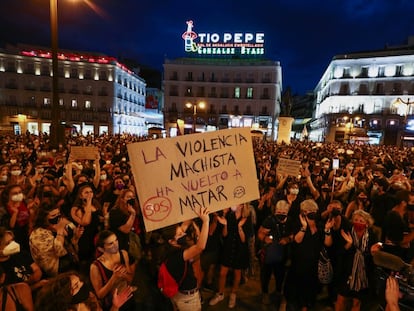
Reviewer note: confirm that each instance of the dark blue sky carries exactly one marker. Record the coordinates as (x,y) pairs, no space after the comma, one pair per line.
(303,35)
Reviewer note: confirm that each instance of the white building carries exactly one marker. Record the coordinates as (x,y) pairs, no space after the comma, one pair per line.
(365,97)
(97,94)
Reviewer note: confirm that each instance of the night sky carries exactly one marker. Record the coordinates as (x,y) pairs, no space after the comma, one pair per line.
(303,35)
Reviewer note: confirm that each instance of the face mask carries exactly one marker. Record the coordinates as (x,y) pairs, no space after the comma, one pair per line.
(280,217)
(335,212)
(108,162)
(325,189)
(359,227)
(311,216)
(3,178)
(17,197)
(54,220)
(182,241)
(40,170)
(13,161)
(81,296)
(374,188)
(80,166)
(362,184)
(11,249)
(294,191)
(233,208)
(131,202)
(410,207)
(120,186)
(114,249)
(47,194)
(326,167)
(103,177)
(16,172)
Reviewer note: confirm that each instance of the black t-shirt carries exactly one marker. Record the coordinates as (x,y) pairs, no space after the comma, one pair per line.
(116,219)
(176,266)
(18,267)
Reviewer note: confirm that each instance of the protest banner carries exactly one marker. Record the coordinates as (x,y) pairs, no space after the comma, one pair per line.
(288,166)
(84,152)
(175,177)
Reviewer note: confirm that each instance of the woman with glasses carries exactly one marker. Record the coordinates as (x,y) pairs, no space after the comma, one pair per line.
(51,247)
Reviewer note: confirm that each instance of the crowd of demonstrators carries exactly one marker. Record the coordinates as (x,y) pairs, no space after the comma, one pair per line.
(73,229)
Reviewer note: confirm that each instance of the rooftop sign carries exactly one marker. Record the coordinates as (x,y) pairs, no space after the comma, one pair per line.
(238,43)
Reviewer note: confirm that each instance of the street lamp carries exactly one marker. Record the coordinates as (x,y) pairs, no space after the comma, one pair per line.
(201,105)
(55,130)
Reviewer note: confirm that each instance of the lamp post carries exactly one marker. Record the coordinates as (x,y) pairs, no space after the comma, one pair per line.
(55,131)
(201,105)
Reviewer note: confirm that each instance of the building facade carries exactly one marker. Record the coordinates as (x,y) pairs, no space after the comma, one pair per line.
(97,94)
(365,97)
(233,93)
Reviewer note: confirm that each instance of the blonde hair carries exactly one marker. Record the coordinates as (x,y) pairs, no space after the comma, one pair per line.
(281,205)
(367,216)
(309,205)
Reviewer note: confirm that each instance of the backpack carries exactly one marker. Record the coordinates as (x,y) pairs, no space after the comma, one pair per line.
(166,282)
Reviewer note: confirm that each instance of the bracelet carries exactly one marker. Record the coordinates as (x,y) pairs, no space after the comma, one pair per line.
(302,229)
(328,232)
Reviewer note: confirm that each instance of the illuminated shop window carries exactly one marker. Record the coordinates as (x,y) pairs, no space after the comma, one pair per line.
(74,103)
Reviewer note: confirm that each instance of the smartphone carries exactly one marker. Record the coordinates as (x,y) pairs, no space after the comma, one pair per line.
(335,164)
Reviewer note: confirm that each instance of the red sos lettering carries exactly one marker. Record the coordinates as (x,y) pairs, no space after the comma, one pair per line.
(157,208)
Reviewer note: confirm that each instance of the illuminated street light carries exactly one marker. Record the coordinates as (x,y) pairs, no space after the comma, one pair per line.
(200,105)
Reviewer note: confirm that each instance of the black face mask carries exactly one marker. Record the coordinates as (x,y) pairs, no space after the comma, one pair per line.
(182,241)
(54,220)
(410,207)
(311,216)
(335,212)
(325,189)
(280,217)
(47,194)
(81,296)
(131,202)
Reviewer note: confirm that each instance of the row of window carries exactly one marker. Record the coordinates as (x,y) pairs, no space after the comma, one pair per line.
(223,109)
(74,73)
(237,77)
(236,92)
(373,71)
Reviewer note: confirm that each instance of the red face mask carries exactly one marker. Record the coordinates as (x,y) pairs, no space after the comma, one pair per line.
(359,227)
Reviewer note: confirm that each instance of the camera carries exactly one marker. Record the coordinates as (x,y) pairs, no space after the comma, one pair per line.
(387,264)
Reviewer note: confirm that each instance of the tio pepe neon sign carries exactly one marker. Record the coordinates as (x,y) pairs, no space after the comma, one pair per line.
(225,44)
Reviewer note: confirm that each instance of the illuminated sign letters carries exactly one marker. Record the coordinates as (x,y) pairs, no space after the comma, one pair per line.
(223,44)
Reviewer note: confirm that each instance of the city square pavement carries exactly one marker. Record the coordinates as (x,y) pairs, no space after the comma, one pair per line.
(249,298)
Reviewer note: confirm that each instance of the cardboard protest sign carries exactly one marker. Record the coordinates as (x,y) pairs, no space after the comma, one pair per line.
(177,176)
(289,167)
(84,152)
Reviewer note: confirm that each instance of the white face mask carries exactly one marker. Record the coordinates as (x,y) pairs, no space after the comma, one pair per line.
(103,177)
(16,172)
(3,178)
(11,249)
(233,208)
(294,191)
(13,161)
(108,162)
(17,197)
